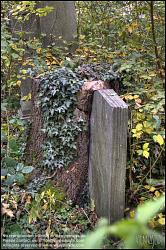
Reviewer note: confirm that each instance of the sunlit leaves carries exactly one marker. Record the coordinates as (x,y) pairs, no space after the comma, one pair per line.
(157,193)
(144,151)
(161,221)
(147,127)
(159,139)
(137,132)
(44,11)
(27,97)
(129,229)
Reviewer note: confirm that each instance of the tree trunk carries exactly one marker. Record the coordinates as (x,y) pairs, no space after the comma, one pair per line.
(158,63)
(61,22)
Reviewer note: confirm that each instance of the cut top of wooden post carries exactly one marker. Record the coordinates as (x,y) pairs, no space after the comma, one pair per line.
(107,156)
(112,98)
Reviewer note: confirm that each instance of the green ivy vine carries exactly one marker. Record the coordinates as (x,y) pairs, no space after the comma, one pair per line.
(57,96)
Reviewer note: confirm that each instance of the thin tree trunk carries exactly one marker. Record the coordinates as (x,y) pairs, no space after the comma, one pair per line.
(158,64)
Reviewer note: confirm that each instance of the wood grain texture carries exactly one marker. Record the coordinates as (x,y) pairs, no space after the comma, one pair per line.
(107,156)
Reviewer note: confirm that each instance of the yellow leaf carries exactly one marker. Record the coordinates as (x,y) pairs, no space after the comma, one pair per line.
(92,205)
(18,83)
(138,101)
(39,50)
(147,187)
(49,55)
(45,206)
(139,152)
(142,198)
(152,74)
(148,130)
(152,189)
(2,177)
(15,204)
(26,97)
(54,62)
(132,214)
(139,127)
(28,200)
(138,134)
(157,194)
(48,230)
(130,29)
(145,146)
(129,97)
(30,219)
(145,124)
(158,138)
(152,223)
(42,194)
(160,215)
(161,221)
(23,71)
(127,209)
(136,96)
(146,153)
(82,37)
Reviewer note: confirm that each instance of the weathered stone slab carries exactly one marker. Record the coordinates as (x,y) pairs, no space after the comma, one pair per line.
(108,150)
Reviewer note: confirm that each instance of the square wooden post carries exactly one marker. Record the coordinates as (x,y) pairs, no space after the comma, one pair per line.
(108,151)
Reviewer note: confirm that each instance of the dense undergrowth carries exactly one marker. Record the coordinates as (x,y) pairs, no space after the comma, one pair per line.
(133,44)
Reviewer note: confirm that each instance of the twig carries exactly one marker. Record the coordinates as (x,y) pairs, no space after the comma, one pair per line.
(148,172)
(86,215)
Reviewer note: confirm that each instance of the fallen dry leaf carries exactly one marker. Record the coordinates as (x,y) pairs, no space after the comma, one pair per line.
(7,212)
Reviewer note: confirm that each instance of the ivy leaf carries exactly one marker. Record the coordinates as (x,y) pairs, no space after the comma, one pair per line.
(10,180)
(4,106)
(13,145)
(3,137)
(19,166)
(27,169)
(20,179)
(10,162)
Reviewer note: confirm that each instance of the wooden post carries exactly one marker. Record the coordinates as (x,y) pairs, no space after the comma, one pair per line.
(108,150)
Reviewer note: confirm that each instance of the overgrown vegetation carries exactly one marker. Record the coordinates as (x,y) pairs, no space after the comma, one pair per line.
(58,101)
(128,35)
(134,233)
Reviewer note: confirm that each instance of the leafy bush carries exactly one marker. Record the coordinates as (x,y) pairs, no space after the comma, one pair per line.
(133,232)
